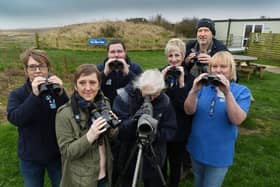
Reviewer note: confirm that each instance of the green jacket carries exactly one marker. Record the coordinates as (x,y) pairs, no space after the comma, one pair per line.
(80,159)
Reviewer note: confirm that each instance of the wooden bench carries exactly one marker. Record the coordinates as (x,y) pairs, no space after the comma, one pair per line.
(258,69)
(246,70)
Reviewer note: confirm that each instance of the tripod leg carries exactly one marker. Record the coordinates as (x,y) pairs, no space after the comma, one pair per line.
(157,166)
(124,171)
(138,163)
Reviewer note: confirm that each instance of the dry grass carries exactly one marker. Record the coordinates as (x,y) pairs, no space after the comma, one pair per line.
(135,35)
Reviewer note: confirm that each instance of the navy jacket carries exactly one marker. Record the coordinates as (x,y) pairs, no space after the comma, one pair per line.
(125,105)
(193,46)
(116,80)
(216,46)
(36,123)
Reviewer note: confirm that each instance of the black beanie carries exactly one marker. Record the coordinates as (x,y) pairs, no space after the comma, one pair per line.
(205,22)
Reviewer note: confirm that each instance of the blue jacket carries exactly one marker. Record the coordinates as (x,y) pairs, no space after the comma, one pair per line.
(36,123)
(125,106)
(116,80)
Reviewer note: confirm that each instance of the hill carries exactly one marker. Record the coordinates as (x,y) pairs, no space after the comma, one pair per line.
(135,35)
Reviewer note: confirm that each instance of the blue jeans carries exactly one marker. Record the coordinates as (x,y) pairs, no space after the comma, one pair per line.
(33,172)
(206,175)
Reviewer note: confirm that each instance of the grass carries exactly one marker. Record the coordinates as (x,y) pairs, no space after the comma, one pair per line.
(257,156)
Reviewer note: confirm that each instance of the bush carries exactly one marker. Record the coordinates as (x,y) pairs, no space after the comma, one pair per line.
(108,31)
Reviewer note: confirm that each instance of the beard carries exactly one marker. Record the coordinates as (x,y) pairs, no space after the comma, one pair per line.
(203,41)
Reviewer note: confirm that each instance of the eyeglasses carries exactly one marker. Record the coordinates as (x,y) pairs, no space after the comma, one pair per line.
(34,67)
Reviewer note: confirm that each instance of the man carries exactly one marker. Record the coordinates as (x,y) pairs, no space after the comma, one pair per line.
(32,108)
(117,70)
(199,51)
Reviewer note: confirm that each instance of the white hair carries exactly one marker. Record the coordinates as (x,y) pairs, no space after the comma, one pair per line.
(150,78)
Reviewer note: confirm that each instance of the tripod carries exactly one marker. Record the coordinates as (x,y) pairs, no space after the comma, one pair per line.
(142,144)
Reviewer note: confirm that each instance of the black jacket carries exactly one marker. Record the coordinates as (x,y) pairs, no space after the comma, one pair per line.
(125,106)
(36,123)
(177,97)
(116,80)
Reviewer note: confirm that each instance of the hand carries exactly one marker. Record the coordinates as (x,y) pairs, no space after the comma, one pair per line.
(191,55)
(225,84)
(204,58)
(96,128)
(35,84)
(165,70)
(56,80)
(197,84)
(107,69)
(181,79)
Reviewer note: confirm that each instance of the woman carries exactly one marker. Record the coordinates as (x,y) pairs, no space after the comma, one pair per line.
(33,109)
(218,108)
(178,86)
(130,105)
(83,139)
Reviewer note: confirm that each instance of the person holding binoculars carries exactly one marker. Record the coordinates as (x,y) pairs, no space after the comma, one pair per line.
(32,108)
(218,105)
(117,70)
(84,127)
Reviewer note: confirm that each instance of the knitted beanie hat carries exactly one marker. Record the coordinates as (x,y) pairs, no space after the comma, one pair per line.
(205,22)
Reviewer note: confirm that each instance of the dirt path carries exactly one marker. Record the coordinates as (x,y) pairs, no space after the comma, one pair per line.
(273,69)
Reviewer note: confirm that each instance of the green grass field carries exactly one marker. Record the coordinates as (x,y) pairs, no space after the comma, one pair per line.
(257,157)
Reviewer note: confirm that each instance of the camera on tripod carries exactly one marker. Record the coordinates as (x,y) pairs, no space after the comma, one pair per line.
(48,87)
(172,76)
(116,65)
(147,125)
(211,79)
(111,121)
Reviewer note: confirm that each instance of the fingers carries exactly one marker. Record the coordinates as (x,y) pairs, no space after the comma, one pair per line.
(54,79)
(35,84)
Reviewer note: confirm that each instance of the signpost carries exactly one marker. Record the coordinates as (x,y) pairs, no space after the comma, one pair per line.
(97,41)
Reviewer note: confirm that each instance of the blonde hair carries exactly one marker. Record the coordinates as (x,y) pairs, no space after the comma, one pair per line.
(150,78)
(224,57)
(175,44)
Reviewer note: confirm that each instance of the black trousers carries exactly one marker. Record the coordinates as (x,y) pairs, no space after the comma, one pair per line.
(177,155)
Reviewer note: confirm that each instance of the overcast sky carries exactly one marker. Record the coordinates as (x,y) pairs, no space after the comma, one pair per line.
(45,13)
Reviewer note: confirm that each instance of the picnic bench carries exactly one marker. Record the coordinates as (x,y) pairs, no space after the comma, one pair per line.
(244,65)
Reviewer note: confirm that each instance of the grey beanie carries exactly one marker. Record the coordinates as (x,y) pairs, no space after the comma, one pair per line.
(205,22)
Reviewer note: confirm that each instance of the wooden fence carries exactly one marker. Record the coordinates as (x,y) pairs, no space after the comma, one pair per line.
(264,46)
(18,40)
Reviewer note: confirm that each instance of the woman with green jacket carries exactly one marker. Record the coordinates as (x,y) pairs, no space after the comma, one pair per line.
(83,132)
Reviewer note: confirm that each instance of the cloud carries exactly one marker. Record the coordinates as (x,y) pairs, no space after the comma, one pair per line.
(41,13)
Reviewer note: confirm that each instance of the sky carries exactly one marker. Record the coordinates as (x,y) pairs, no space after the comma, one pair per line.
(51,13)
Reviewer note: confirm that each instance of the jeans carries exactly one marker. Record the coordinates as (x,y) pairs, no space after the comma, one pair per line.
(33,172)
(206,175)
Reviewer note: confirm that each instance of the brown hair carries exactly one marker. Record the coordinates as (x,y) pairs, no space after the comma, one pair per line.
(40,56)
(84,70)
(115,42)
